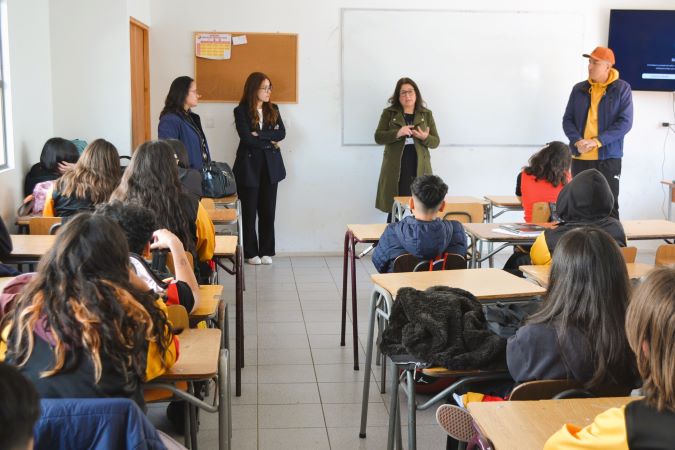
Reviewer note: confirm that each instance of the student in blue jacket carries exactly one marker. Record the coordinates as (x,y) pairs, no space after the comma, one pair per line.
(423,234)
(177,121)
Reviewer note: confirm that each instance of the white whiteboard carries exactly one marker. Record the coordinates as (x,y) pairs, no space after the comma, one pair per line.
(490,78)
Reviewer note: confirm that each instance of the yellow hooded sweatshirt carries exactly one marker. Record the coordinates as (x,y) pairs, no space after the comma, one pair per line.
(597,90)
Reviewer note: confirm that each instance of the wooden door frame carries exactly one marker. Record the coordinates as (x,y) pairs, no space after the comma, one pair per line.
(146,74)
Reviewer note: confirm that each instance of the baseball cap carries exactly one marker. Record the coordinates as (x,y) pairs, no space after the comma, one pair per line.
(601,53)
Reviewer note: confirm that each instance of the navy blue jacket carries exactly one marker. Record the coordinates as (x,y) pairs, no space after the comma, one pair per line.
(176,126)
(615,117)
(94,424)
(256,153)
(425,240)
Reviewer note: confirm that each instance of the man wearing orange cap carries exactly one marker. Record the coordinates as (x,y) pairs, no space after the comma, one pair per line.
(599,113)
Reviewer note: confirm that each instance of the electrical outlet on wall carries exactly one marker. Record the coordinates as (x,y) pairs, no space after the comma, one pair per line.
(210,122)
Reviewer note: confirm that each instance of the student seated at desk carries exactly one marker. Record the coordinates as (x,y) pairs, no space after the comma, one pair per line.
(85,325)
(547,172)
(151,179)
(94,177)
(586,201)
(140,227)
(648,423)
(5,250)
(578,332)
(423,234)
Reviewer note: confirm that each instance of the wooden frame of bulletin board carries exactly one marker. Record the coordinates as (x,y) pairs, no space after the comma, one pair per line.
(275,54)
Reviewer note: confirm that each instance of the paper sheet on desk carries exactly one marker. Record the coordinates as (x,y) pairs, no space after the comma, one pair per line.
(533,234)
(239,40)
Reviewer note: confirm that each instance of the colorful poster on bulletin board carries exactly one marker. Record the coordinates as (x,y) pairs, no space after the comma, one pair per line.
(213,45)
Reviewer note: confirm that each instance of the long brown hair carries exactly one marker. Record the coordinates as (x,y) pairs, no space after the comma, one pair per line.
(250,99)
(83,294)
(551,163)
(95,175)
(151,180)
(395,100)
(588,289)
(650,322)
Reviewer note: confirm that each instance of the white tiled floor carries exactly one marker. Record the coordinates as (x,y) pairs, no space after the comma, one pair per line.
(299,388)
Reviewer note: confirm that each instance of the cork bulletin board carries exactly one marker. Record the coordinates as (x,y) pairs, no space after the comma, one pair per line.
(275,54)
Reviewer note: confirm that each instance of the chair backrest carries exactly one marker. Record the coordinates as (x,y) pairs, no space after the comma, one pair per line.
(172,267)
(178,316)
(629,253)
(43,225)
(665,255)
(452,261)
(208,203)
(463,212)
(557,389)
(541,212)
(406,263)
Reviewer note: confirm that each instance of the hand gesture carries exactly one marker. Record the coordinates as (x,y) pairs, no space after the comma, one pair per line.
(585,145)
(404,131)
(420,134)
(64,167)
(254,133)
(165,239)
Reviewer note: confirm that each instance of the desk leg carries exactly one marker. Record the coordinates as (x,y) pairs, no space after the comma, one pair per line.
(355,325)
(670,201)
(344,287)
(239,321)
(369,356)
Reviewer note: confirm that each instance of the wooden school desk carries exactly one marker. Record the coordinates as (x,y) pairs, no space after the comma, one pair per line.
(401,204)
(639,230)
(540,274)
(4,281)
(363,233)
(220,213)
(209,298)
(488,285)
(504,203)
(201,359)
(524,425)
(27,248)
(228,248)
(671,196)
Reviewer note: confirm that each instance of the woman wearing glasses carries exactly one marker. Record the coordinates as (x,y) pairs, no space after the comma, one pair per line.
(407,130)
(258,167)
(177,121)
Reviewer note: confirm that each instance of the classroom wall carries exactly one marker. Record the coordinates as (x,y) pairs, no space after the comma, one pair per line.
(31,96)
(329,185)
(89,44)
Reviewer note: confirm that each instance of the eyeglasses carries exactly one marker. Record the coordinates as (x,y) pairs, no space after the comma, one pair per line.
(407,93)
(266,89)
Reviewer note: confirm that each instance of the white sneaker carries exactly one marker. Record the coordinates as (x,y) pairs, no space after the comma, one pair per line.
(267,260)
(255,261)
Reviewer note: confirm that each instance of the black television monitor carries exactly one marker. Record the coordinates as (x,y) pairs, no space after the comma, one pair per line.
(644,45)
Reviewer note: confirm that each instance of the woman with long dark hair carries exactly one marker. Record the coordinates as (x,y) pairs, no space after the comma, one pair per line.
(151,180)
(407,130)
(177,121)
(546,173)
(57,156)
(258,167)
(85,325)
(578,333)
(94,177)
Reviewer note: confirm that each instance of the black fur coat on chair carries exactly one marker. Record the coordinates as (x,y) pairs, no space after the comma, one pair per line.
(442,326)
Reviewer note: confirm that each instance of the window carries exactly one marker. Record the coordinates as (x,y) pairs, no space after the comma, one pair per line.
(4,52)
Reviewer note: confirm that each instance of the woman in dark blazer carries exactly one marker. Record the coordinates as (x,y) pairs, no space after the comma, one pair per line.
(258,167)
(177,121)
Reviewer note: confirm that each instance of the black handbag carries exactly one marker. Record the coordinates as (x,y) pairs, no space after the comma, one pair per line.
(218,180)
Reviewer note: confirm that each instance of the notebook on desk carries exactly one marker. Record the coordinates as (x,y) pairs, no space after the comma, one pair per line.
(521,229)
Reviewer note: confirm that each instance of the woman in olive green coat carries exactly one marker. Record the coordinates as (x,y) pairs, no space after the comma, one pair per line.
(407,130)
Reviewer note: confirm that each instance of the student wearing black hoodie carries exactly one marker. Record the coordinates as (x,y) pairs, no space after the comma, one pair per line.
(586,201)
(423,235)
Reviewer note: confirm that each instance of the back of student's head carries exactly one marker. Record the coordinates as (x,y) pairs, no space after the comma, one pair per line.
(83,293)
(551,163)
(180,151)
(588,289)
(57,150)
(137,222)
(19,409)
(151,179)
(586,198)
(96,174)
(429,192)
(650,325)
